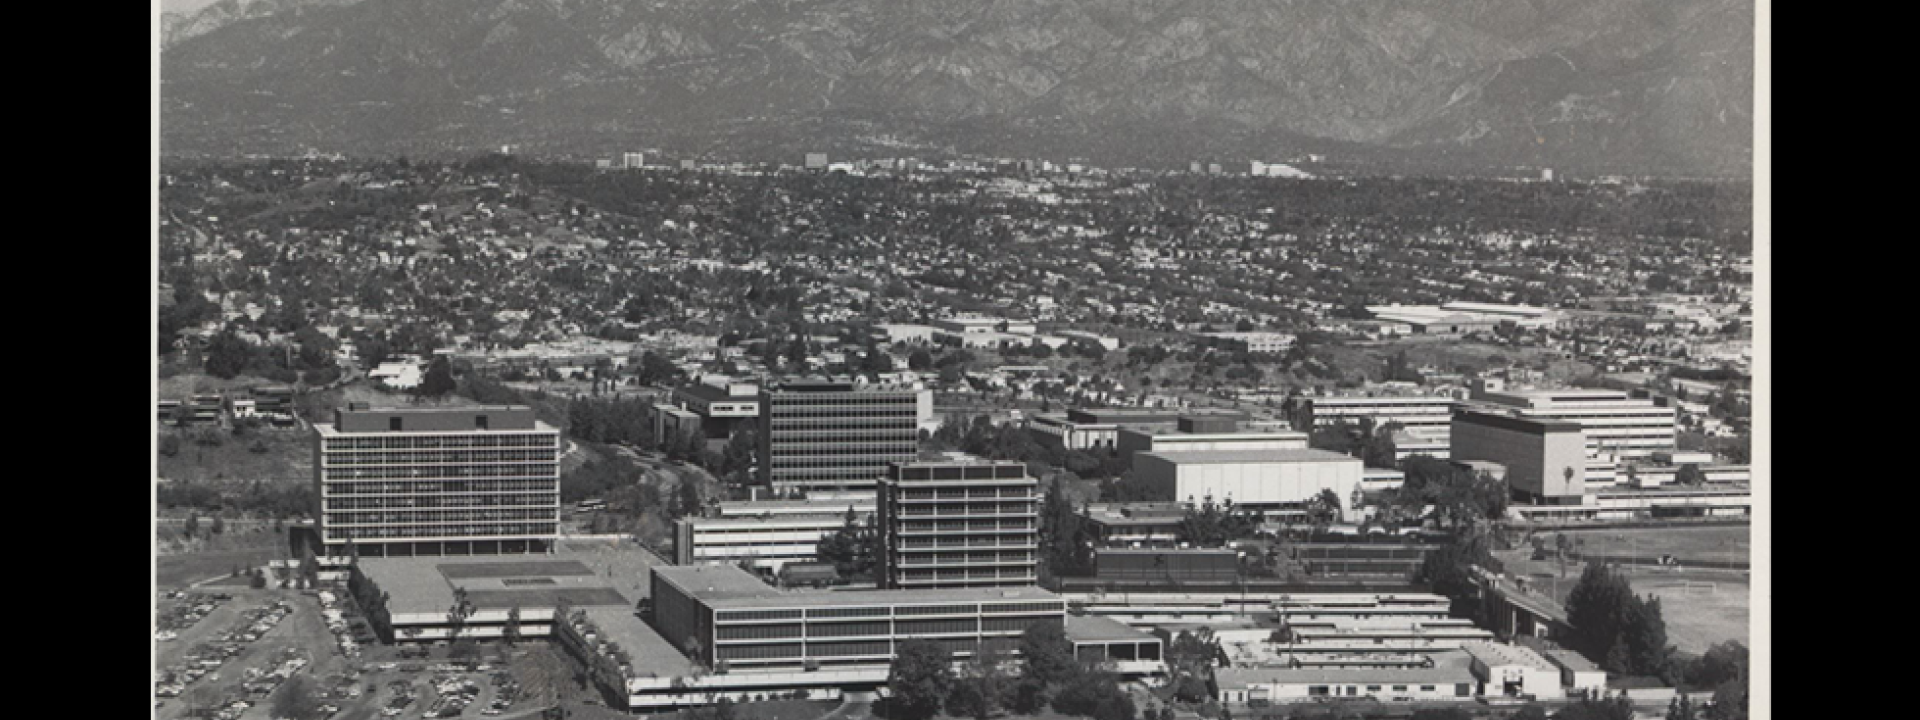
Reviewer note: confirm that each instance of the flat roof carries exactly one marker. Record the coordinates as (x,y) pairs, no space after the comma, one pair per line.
(1094,628)
(426,583)
(1493,653)
(650,654)
(1275,455)
(1516,423)
(1449,667)
(727,586)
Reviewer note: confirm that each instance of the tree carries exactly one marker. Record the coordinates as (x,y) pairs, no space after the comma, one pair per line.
(170,445)
(511,633)
(1681,708)
(853,549)
(1690,474)
(1614,708)
(919,679)
(1323,509)
(1721,663)
(192,525)
(219,525)
(687,501)
(982,684)
(1627,632)
(227,355)
(438,381)
(1530,712)
(457,616)
(1441,714)
(919,360)
(1047,660)
(1191,658)
(297,699)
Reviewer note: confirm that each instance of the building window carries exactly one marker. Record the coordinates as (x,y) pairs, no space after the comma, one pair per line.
(393,424)
(480,422)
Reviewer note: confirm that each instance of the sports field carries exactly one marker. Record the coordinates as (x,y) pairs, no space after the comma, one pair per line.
(1702,606)
(1717,544)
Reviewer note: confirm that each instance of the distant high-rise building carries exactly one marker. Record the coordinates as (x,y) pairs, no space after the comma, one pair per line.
(686,164)
(603,164)
(437,481)
(1196,168)
(1213,168)
(1546,174)
(833,436)
(506,149)
(958,522)
(633,160)
(816,161)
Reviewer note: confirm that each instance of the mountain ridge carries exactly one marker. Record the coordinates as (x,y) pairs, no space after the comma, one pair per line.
(1621,85)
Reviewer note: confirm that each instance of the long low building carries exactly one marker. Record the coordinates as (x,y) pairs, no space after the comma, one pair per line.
(722,616)
(1656,502)
(1440,676)
(1260,480)
(766,543)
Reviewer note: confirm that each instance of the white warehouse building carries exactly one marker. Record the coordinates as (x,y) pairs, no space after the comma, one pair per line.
(1271,479)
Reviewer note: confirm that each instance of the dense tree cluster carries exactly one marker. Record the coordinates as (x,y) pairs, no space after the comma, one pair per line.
(922,680)
(1624,632)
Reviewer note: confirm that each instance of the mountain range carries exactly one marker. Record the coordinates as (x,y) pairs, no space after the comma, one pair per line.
(1655,87)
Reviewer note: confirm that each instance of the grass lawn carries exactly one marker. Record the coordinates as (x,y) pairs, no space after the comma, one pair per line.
(183,569)
(288,457)
(1721,543)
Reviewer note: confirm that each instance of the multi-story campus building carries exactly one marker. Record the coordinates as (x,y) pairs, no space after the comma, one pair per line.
(1426,420)
(1615,423)
(766,535)
(957,523)
(1093,428)
(721,616)
(1189,433)
(1545,460)
(818,435)
(436,481)
(724,406)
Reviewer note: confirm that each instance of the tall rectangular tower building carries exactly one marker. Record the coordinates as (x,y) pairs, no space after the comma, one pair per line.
(437,481)
(834,436)
(959,522)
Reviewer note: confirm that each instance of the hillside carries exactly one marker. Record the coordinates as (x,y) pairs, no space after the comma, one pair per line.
(1637,86)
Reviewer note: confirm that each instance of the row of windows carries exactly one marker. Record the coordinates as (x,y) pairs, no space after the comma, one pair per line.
(478,530)
(843,649)
(784,426)
(955,558)
(443,471)
(337,519)
(912,526)
(758,632)
(979,508)
(437,501)
(441,456)
(1012,573)
(936,627)
(971,541)
(409,442)
(1023,492)
(545,484)
(751,652)
(740,615)
(849,612)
